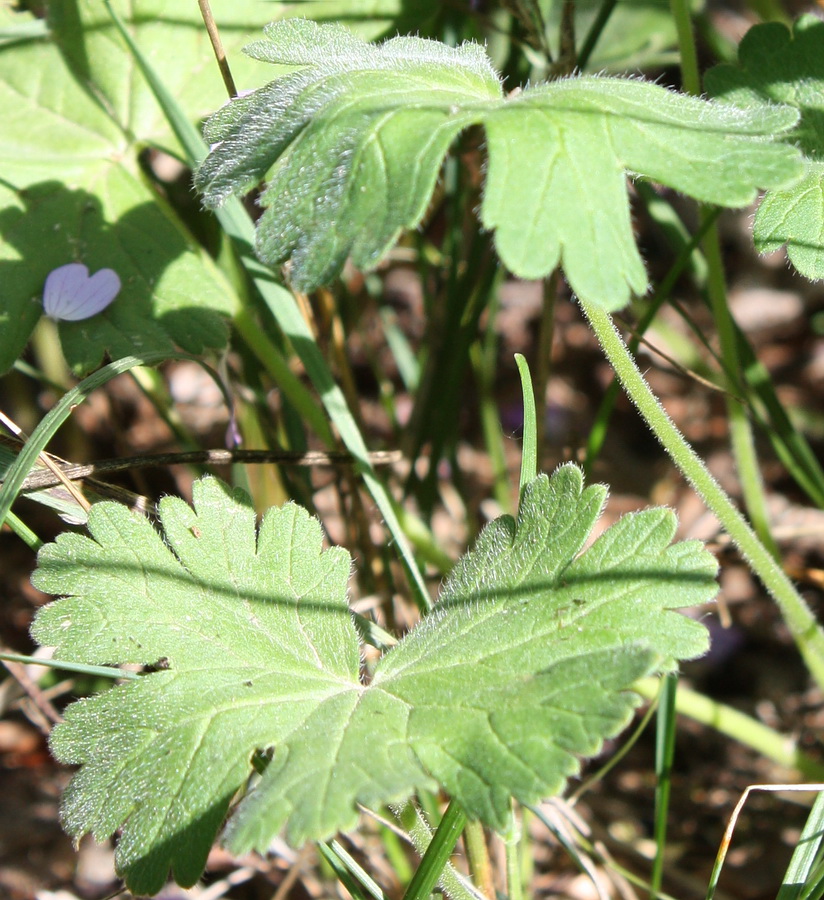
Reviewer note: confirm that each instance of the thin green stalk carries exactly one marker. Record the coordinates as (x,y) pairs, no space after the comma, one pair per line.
(437,853)
(396,853)
(349,870)
(484,354)
(688,256)
(797,615)
(690,79)
(19,527)
(743,443)
(546,335)
(453,884)
(80,668)
(512,849)
(615,757)
(283,306)
(278,368)
(477,854)
(764,407)
(769,743)
(664,754)
(345,876)
(594,33)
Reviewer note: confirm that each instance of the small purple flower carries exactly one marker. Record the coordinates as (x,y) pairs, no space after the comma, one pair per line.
(71,294)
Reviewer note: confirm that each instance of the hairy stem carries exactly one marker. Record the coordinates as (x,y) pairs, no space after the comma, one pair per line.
(799,619)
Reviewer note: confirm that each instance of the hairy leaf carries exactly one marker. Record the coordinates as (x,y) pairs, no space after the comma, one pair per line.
(524,666)
(779,66)
(353,137)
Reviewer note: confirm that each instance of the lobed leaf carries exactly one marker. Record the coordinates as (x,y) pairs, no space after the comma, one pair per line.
(353,136)
(524,667)
(358,133)
(777,65)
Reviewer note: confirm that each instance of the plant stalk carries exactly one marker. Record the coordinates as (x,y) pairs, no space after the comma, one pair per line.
(437,854)
(477,853)
(512,843)
(741,436)
(664,754)
(806,632)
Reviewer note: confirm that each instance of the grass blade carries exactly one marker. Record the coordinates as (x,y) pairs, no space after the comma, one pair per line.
(281,302)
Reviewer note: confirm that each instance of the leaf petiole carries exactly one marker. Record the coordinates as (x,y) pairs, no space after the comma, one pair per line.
(806,631)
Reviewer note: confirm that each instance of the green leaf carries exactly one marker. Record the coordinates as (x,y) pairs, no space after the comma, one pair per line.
(524,666)
(76,118)
(779,66)
(72,191)
(172,34)
(345,130)
(353,139)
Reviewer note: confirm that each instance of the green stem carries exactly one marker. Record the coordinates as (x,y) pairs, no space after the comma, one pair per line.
(741,436)
(484,355)
(771,744)
(690,79)
(477,854)
(350,873)
(512,845)
(437,854)
(278,368)
(797,615)
(66,666)
(688,256)
(19,527)
(454,885)
(597,27)
(664,753)
(283,306)
(546,335)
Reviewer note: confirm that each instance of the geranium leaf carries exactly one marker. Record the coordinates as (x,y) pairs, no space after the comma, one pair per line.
(525,666)
(779,66)
(78,116)
(353,137)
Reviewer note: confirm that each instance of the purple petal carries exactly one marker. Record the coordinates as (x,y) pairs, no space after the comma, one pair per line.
(71,295)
